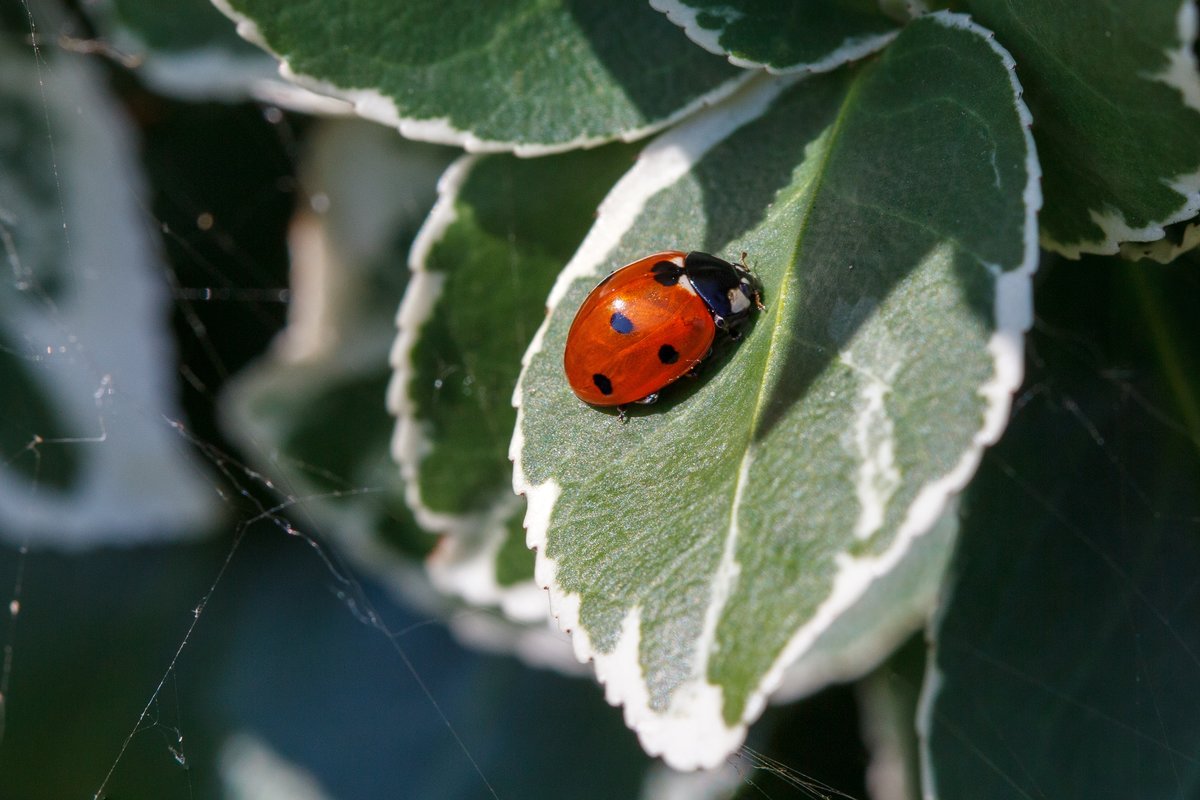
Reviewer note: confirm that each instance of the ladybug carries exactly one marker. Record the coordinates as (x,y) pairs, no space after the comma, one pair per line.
(651,322)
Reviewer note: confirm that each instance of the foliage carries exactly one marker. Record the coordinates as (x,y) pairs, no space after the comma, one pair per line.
(784,523)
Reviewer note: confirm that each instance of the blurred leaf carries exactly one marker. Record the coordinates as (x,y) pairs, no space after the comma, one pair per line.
(524,75)
(91,450)
(1066,661)
(311,414)
(1115,96)
(182,26)
(184,48)
(706,545)
(334,696)
(888,701)
(281,653)
(482,267)
(812,36)
(92,637)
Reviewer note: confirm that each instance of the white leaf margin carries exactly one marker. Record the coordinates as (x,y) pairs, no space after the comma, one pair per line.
(324,341)
(203,73)
(377,107)
(692,734)
(108,373)
(839,653)
(464,562)
(1182,74)
(853,49)
(1164,251)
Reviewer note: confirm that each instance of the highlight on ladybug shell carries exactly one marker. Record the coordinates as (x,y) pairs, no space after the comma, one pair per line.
(652,322)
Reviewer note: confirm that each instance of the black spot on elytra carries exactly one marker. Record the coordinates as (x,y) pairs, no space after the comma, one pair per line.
(620,323)
(602,383)
(668,354)
(667,272)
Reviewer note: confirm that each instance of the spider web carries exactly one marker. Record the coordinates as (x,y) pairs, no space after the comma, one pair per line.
(248,650)
(250,654)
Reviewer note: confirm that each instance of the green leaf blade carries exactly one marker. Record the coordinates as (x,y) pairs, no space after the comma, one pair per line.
(527,76)
(310,414)
(482,265)
(1065,653)
(701,549)
(815,36)
(1116,100)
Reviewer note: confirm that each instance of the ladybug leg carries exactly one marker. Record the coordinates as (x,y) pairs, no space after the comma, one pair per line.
(648,399)
(735,335)
(621,415)
(758,303)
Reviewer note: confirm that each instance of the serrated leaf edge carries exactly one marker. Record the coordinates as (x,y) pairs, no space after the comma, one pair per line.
(662,163)
(1163,251)
(1182,74)
(372,105)
(463,564)
(409,443)
(1014,315)
(853,49)
(404,579)
(465,567)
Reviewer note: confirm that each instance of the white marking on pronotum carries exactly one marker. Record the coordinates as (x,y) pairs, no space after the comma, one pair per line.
(1013,316)
(683,743)
(1182,74)
(686,17)
(372,105)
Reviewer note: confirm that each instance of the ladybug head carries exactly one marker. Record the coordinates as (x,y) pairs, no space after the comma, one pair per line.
(729,290)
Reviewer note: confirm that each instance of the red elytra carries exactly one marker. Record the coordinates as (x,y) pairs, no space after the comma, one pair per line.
(651,322)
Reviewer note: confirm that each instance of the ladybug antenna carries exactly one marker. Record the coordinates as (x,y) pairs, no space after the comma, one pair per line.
(741,262)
